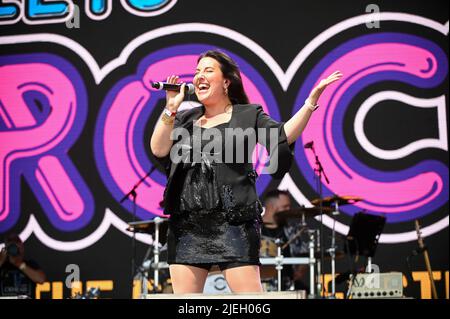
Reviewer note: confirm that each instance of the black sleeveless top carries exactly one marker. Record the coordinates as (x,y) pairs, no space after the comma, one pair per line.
(200,190)
(199,230)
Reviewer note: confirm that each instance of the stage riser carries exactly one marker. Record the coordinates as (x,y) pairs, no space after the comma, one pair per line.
(298,294)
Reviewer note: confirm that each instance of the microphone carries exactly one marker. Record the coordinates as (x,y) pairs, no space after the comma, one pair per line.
(189,88)
(309,145)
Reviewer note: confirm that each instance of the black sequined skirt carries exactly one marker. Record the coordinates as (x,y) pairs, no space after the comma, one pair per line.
(209,237)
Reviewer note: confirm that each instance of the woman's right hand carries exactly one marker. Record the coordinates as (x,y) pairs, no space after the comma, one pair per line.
(173,98)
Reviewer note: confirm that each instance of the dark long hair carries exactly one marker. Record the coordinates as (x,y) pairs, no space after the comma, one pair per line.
(230,72)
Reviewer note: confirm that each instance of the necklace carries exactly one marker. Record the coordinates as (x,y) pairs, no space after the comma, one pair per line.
(224,111)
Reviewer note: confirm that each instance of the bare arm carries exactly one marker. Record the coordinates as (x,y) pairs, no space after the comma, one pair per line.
(160,142)
(37,275)
(3,256)
(296,124)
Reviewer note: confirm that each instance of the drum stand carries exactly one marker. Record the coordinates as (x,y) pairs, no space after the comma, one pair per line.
(143,270)
(144,274)
(279,262)
(312,257)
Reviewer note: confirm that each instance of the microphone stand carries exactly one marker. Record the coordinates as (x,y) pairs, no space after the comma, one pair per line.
(319,172)
(133,193)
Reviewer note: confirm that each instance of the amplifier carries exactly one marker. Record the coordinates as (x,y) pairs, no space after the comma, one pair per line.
(376,285)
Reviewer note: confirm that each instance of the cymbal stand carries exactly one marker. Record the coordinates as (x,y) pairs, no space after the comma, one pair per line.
(319,174)
(158,220)
(319,264)
(332,252)
(312,263)
(133,194)
(303,223)
(279,262)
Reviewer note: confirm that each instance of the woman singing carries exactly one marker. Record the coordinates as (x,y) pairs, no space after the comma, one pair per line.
(215,213)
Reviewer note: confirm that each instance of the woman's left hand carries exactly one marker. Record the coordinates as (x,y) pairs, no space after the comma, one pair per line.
(317,91)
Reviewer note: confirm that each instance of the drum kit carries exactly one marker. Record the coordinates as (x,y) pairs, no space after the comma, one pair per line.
(157,227)
(271,250)
(271,257)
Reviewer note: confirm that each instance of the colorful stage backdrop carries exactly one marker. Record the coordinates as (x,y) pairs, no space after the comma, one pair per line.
(77,112)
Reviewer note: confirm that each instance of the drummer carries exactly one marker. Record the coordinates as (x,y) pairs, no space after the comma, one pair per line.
(276,201)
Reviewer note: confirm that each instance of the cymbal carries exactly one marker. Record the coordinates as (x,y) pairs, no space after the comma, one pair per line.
(270,225)
(331,200)
(300,212)
(148,226)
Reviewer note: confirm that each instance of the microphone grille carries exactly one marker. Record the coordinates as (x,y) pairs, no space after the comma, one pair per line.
(156,85)
(190,88)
